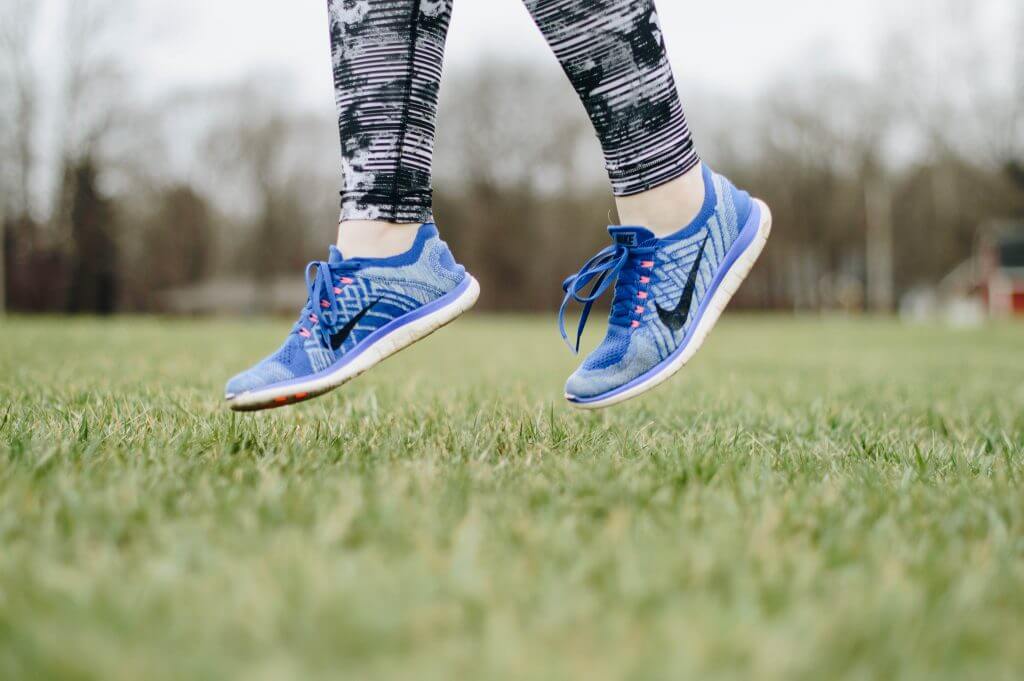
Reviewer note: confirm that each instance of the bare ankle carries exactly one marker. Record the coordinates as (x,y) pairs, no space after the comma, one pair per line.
(666,208)
(374,238)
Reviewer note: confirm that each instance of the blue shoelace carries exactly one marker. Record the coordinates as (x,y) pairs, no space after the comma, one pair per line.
(323,285)
(612,264)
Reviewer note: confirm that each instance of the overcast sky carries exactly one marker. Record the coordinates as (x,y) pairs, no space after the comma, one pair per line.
(727,45)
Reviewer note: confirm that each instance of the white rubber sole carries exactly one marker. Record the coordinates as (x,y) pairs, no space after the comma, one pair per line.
(719,300)
(399,339)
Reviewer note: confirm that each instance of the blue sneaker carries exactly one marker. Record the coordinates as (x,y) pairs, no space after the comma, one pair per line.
(358,313)
(668,294)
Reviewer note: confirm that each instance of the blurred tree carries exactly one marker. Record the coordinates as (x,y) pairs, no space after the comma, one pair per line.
(525,203)
(179,239)
(265,158)
(92,286)
(92,89)
(1014,163)
(17,18)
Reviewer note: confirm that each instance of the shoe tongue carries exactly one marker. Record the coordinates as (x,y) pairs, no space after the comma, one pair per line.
(335,257)
(630,237)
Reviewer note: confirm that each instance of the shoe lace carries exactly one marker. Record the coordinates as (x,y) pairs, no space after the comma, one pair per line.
(324,284)
(621,265)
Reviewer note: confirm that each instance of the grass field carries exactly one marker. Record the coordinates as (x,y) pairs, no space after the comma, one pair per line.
(808,500)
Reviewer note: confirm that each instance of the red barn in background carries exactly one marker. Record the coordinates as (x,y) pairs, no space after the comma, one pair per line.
(1001,270)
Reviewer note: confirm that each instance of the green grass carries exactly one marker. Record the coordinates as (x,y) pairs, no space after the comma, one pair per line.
(808,500)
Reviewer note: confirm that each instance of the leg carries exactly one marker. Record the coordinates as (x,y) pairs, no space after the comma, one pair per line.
(614,55)
(387,58)
(391,280)
(693,236)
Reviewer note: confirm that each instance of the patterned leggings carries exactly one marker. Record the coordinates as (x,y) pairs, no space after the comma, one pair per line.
(387,71)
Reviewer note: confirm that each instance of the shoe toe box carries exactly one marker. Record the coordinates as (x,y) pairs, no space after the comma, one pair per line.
(260,376)
(585,384)
(595,379)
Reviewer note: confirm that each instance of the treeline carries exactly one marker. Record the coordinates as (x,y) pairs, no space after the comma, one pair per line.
(878,184)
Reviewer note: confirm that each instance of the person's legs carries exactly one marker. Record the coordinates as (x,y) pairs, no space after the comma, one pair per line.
(614,55)
(691,238)
(387,58)
(390,281)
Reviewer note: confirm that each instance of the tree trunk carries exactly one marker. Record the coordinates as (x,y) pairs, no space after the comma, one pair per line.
(878,248)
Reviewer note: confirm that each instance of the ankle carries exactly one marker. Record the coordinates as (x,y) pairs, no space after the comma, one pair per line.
(375,239)
(667,208)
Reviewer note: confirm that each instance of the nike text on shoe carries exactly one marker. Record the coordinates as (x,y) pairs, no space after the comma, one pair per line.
(668,294)
(358,313)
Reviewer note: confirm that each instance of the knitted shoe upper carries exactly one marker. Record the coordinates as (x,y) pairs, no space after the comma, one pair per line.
(662,283)
(351,299)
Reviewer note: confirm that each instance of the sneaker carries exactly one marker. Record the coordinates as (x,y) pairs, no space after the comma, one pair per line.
(668,294)
(359,312)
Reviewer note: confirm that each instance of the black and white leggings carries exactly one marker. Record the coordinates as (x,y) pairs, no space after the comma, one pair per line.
(387,71)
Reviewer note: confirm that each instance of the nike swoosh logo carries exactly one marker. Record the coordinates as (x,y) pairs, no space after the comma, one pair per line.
(675,319)
(341,335)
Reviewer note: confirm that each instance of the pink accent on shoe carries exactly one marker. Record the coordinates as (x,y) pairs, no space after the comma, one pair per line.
(346,280)
(337,291)
(639,309)
(313,318)
(645,280)
(635,324)
(642,295)
(647,263)
(324,304)
(305,333)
